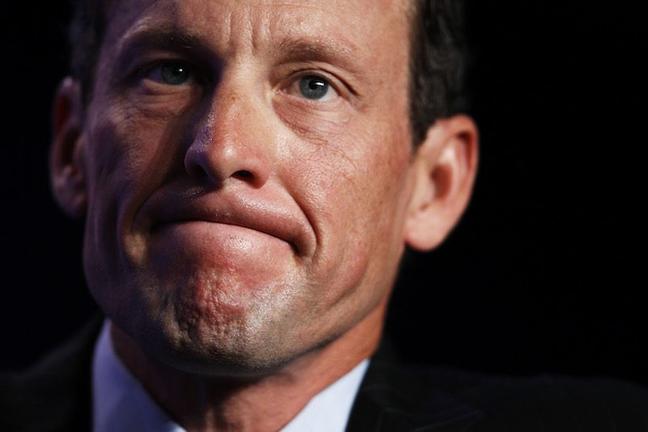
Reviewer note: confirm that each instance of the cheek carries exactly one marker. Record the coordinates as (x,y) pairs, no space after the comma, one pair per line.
(353,189)
(360,178)
(127,156)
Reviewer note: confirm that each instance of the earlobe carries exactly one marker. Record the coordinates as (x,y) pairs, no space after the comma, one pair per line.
(445,171)
(67,175)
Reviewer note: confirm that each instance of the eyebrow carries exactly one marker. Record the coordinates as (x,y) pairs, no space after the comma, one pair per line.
(164,38)
(343,53)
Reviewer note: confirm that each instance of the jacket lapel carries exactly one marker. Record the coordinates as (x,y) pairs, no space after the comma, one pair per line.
(371,416)
(394,398)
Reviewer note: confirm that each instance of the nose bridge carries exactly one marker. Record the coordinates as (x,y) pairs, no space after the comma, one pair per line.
(228,144)
(221,128)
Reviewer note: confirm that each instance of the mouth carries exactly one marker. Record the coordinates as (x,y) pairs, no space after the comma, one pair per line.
(234,213)
(228,229)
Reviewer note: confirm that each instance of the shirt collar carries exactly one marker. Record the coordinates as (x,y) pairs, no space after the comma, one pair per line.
(121,403)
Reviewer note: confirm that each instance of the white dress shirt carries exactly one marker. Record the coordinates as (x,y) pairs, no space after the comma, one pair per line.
(120,403)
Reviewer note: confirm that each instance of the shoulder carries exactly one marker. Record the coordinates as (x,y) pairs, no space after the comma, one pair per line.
(495,402)
(55,393)
(560,403)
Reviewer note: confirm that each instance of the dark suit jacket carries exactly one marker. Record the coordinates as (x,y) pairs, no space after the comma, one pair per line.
(56,396)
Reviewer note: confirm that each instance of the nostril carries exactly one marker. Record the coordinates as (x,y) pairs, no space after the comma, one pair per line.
(197,171)
(243,175)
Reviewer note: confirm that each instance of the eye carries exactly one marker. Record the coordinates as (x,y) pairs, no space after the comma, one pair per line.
(314,87)
(173,73)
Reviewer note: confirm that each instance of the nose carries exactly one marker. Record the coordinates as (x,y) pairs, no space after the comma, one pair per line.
(231,143)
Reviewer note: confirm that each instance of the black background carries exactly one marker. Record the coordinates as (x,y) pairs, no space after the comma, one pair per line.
(543,274)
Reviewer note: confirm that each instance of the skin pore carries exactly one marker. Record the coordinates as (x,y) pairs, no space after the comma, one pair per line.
(248,185)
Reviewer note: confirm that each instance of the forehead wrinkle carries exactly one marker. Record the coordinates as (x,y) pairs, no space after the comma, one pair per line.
(244,25)
(258,25)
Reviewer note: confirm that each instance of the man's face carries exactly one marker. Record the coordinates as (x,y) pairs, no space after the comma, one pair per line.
(248,173)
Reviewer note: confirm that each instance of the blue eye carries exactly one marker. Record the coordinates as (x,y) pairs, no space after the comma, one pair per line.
(172,73)
(313,87)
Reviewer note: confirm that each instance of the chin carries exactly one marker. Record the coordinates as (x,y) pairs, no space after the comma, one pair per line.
(202,325)
(220,348)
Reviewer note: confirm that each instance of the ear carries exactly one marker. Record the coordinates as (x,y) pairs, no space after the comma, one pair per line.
(445,169)
(67,174)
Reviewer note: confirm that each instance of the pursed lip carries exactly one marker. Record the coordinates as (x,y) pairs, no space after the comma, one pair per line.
(247,210)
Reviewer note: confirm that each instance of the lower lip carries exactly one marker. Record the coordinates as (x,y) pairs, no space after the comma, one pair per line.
(218,256)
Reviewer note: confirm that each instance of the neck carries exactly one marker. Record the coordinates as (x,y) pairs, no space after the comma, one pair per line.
(265,404)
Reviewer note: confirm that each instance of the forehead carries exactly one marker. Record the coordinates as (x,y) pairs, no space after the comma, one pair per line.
(360,27)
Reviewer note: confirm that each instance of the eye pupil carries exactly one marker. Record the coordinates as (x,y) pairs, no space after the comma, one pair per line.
(313,87)
(175,73)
